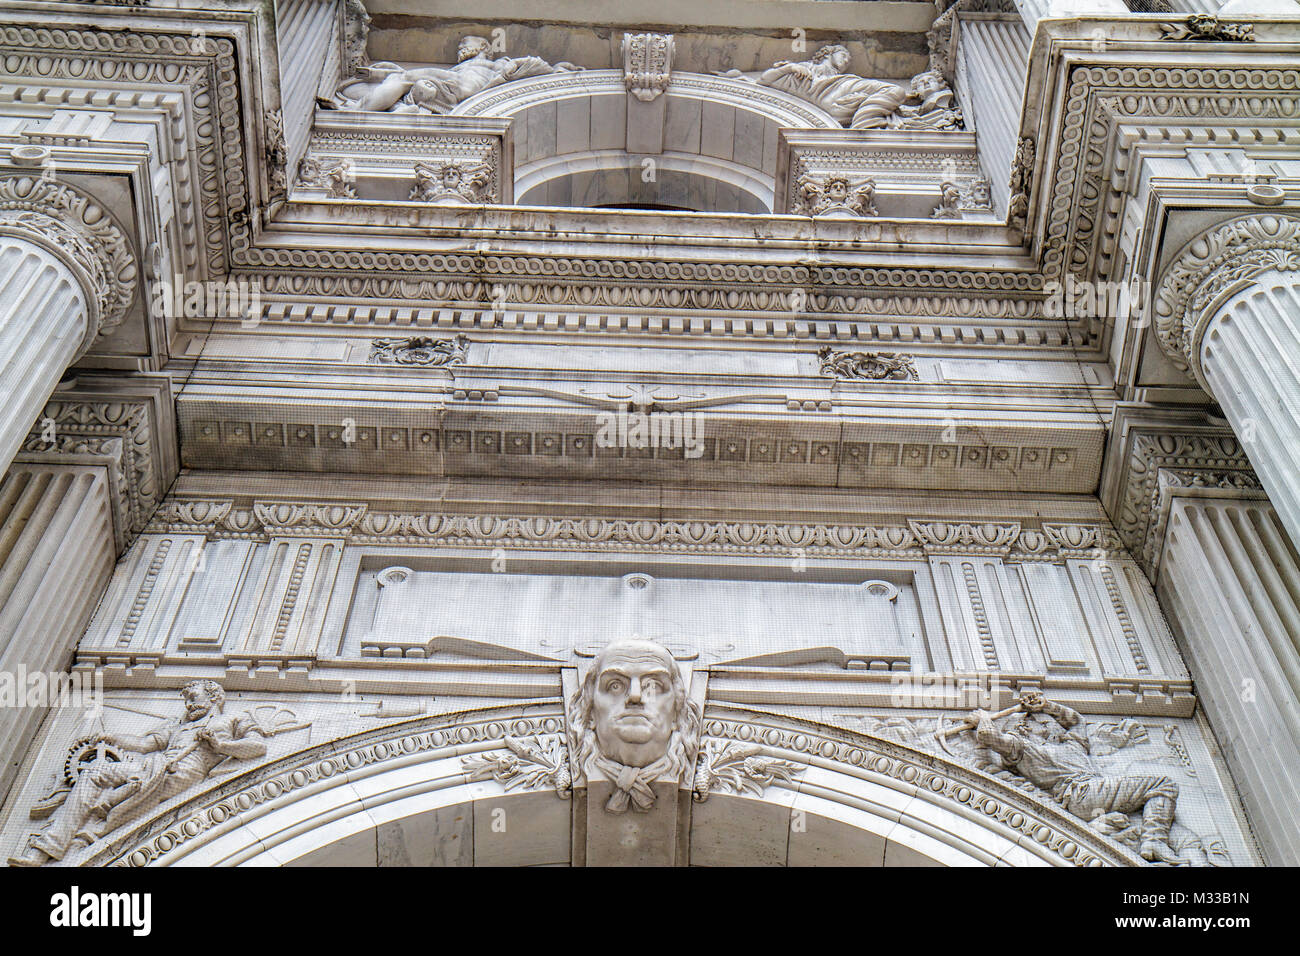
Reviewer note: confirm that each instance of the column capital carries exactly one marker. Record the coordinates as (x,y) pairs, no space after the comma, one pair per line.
(1211,268)
(83,235)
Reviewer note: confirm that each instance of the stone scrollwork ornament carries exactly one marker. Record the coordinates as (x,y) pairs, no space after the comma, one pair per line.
(632,722)
(949,202)
(419,350)
(868,366)
(1212,266)
(452,182)
(53,214)
(337,179)
(356,30)
(647,64)
(1203,26)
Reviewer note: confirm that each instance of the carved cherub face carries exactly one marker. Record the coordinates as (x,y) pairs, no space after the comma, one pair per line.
(837,188)
(470,47)
(634,702)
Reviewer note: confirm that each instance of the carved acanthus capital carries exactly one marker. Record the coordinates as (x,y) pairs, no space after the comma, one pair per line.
(83,234)
(647,64)
(1212,267)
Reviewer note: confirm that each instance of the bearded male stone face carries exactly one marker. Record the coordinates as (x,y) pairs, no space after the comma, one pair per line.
(634,704)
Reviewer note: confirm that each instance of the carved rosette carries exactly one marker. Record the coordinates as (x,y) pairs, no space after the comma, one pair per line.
(84,236)
(1210,269)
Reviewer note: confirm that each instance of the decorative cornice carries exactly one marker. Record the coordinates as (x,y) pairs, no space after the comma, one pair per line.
(366,525)
(74,225)
(1212,267)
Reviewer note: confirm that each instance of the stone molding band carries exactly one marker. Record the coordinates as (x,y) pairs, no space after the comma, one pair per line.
(1211,269)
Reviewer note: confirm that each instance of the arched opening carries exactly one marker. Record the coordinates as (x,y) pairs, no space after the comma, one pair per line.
(708,144)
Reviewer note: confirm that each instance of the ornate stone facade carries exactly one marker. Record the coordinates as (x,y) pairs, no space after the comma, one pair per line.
(679,436)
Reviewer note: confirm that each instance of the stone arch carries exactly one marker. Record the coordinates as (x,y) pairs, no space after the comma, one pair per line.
(401,794)
(581,139)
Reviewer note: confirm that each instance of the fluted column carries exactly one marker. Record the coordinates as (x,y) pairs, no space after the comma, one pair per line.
(1230,584)
(43,321)
(1228,310)
(56,554)
(66,276)
(1250,360)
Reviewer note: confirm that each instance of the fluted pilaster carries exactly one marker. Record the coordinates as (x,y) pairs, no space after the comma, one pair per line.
(1230,583)
(993,58)
(56,555)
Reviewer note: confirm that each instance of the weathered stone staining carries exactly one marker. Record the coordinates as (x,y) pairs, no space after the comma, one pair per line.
(907,532)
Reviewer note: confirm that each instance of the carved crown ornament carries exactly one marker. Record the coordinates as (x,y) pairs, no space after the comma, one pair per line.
(83,234)
(1211,268)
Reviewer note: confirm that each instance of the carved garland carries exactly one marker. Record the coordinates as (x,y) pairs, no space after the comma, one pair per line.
(55,214)
(1208,270)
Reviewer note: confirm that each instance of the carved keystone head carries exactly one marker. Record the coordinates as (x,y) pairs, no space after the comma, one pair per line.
(632,707)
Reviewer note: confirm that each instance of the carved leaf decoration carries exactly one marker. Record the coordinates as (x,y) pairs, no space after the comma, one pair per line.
(529,765)
(739,768)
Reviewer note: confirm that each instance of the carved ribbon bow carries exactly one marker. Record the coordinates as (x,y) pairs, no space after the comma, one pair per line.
(631,784)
